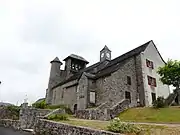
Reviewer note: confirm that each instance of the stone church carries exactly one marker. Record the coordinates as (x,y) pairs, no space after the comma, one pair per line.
(131,76)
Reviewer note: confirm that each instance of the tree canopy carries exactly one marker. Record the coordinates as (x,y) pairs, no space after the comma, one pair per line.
(170,73)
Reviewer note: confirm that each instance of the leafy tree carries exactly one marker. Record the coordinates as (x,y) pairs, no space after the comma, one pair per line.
(170,73)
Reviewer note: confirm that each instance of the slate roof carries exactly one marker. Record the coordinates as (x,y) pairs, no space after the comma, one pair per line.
(76,57)
(78,75)
(111,67)
(114,64)
(56,60)
(105,48)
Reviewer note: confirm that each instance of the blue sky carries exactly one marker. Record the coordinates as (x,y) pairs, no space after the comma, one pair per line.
(34,32)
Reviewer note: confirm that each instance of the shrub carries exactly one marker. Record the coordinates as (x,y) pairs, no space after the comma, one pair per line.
(58,117)
(120,127)
(159,103)
(41,105)
(14,111)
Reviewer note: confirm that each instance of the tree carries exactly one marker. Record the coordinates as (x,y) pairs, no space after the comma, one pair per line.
(170,73)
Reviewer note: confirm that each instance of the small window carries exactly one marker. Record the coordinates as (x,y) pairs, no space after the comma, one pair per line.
(73,66)
(152,81)
(149,64)
(153,97)
(128,95)
(76,67)
(128,80)
(92,97)
(62,96)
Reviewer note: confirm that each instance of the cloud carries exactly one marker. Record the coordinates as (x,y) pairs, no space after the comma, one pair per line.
(33,32)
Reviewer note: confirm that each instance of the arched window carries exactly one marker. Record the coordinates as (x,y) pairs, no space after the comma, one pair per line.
(76,67)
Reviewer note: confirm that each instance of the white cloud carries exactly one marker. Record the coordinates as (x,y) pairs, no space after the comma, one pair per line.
(33,32)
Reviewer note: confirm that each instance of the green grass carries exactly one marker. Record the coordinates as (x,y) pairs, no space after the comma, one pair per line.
(88,123)
(102,125)
(162,115)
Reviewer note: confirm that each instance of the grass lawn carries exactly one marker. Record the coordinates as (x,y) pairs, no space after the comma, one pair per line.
(162,115)
(88,123)
(149,130)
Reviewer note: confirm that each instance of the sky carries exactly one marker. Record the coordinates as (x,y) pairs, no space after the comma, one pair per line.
(33,32)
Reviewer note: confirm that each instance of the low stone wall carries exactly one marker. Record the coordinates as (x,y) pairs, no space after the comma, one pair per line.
(5,113)
(14,124)
(104,114)
(28,116)
(46,127)
(56,111)
(92,114)
(118,108)
(104,106)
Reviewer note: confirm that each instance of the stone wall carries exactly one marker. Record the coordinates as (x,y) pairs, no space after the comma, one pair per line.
(28,116)
(82,93)
(46,127)
(103,114)
(56,111)
(65,94)
(117,109)
(92,114)
(14,124)
(140,82)
(112,88)
(7,113)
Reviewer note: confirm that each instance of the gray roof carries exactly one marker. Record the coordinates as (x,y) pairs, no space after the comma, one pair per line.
(76,57)
(56,60)
(111,67)
(105,48)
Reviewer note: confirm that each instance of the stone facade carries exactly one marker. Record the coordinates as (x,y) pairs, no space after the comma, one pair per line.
(82,93)
(107,82)
(139,81)
(112,88)
(66,94)
(46,127)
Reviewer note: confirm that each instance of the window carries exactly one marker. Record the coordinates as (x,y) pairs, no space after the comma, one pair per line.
(149,64)
(128,95)
(129,80)
(76,67)
(73,66)
(153,97)
(152,81)
(92,97)
(62,96)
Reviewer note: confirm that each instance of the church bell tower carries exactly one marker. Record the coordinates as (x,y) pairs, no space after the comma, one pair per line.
(105,54)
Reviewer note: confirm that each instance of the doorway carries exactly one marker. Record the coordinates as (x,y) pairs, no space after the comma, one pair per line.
(75,108)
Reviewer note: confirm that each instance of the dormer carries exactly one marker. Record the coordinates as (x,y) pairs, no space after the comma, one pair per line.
(74,63)
(105,54)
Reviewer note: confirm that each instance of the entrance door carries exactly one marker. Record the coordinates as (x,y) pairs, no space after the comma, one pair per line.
(75,108)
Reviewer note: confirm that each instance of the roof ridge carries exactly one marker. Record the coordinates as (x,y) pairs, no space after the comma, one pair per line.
(116,60)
